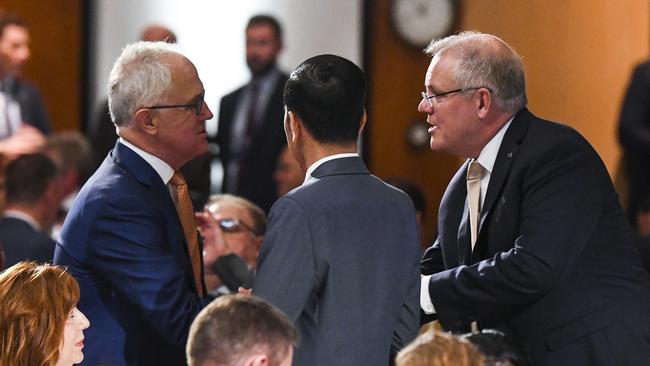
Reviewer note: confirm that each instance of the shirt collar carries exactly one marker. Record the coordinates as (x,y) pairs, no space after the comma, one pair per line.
(488,155)
(318,163)
(23,217)
(163,169)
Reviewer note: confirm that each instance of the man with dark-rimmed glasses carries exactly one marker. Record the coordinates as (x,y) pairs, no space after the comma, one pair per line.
(531,238)
(236,226)
(131,239)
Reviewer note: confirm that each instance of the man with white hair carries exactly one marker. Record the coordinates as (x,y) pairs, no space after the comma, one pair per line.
(531,237)
(130,238)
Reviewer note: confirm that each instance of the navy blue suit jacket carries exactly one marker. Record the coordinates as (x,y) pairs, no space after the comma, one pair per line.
(122,240)
(340,258)
(554,264)
(21,242)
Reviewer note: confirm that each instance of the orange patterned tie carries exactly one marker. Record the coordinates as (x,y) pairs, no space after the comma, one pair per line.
(188,221)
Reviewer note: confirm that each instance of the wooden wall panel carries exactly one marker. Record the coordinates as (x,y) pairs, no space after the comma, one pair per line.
(396,78)
(56,62)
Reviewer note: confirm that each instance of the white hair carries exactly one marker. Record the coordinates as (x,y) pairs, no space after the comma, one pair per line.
(486,63)
(139,78)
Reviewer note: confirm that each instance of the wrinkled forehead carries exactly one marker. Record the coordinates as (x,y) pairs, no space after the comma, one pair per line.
(442,69)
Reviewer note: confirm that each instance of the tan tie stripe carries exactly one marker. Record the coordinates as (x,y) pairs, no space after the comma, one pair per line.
(474,174)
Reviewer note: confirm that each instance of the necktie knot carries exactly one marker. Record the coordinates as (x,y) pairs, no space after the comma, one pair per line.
(475,170)
(178,179)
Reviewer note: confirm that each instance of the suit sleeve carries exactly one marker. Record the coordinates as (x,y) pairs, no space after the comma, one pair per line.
(409,319)
(634,124)
(432,261)
(560,208)
(286,271)
(130,251)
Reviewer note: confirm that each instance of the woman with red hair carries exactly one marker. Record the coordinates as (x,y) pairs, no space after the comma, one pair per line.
(39,321)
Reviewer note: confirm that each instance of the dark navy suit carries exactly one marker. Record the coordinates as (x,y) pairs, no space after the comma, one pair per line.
(122,240)
(554,264)
(256,182)
(22,242)
(340,258)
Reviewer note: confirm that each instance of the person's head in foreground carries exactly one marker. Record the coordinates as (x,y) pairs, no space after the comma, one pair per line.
(238,330)
(434,348)
(39,321)
(496,348)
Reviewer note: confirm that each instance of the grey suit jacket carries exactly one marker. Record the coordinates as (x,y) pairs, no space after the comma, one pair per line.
(340,258)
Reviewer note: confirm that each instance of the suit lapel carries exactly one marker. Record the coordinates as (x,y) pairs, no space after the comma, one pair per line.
(145,174)
(453,228)
(507,154)
(505,157)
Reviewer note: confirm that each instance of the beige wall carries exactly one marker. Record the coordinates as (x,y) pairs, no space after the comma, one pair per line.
(578,57)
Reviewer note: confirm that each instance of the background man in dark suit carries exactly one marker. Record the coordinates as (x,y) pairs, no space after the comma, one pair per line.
(340,253)
(548,255)
(33,198)
(634,134)
(250,135)
(130,238)
(14,53)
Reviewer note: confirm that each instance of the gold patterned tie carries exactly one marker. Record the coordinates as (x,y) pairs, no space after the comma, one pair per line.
(188,221)
(474,175)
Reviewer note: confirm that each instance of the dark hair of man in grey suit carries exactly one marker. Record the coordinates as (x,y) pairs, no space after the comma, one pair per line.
(340,253)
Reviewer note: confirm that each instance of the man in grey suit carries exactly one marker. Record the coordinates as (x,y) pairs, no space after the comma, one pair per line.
(340,256)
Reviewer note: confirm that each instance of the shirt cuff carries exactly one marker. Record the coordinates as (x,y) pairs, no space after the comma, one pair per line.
(425,300)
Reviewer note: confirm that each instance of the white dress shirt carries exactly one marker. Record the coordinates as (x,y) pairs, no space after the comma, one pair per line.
(312,168)
(163,169)
(486,158)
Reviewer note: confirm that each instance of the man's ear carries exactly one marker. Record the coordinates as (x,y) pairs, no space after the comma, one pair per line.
(258,242)
(146,121)
(362,124)
(257,360)
(295,126)
(484,102)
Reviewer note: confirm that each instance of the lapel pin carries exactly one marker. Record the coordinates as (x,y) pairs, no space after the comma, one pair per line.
(509,156)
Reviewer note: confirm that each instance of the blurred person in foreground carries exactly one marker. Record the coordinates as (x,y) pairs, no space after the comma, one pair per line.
(340,255)
(39,321)
(496,349)
(531,237)
(237,330)
(130,237)
(434,348)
